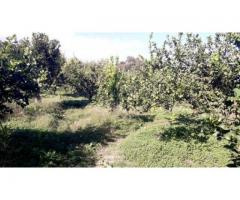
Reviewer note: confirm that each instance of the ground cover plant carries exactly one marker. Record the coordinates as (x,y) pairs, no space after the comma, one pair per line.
(177,108)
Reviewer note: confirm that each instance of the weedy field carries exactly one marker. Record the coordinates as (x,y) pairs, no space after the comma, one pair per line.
(68,131)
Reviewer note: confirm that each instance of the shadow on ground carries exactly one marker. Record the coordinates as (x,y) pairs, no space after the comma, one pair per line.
(40,148)
(188,127)
(235,161)
(142,117)
(67,104)
(70,95)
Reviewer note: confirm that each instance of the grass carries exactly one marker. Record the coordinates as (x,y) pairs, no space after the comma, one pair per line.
(63,132)
(174,141)
(68,131)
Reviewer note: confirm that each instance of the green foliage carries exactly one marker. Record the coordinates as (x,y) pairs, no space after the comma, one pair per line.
(16,82)
(181,144)
(61,132)
(108,92)
(82,77)
(184,70)
(227,125)
(25,67)
(48,59)
(132,92)
(5,134)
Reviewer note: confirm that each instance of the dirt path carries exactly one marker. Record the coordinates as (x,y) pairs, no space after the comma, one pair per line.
(109,155)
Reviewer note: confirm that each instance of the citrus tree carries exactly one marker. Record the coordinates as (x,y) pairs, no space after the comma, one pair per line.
(17,84)
(82,77)
(109,87)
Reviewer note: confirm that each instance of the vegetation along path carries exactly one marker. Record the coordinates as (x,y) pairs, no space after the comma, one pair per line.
(65,131)
(177,107)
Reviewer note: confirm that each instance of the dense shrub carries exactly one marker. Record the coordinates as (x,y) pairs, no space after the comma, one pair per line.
(16,82)
(109,84)
(82,77)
